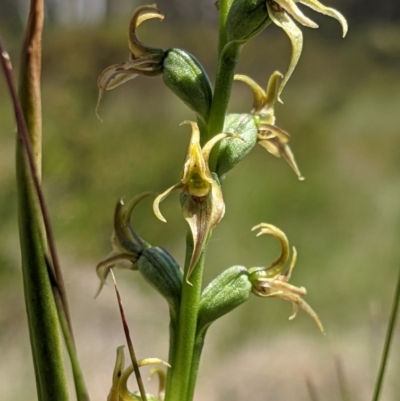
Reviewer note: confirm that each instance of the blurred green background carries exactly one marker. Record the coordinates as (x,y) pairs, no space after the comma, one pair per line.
(342,109)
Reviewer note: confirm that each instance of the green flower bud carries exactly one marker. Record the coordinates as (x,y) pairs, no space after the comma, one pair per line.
(185,76)
(229,290)
(161,270)
(232,150)
(246,19)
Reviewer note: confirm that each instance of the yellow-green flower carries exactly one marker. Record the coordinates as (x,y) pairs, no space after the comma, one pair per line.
(270,137)
(201,195)
(280,11)
(143,60)
(119,387)
(268,281)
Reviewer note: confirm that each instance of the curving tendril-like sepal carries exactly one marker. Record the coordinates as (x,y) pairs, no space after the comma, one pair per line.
(280,12)
(268,281)
(119,388)
(143,60)
(181,71)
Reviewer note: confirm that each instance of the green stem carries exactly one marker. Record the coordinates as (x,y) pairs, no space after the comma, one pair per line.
(39,300)
(388,341)
(181,361)
(224,7)
(227,62)
(80,385)
(198,348)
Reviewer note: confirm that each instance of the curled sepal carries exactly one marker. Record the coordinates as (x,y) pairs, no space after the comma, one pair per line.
(126,244)
(246,19)
(186,77)
(143,60)
(269,136)
(319,8)
(225,293)
(268,281)
(119,388)
(281,19)
(280,12)
(162,381)
(232,150)
(201,196)
(155,264)
(141,14)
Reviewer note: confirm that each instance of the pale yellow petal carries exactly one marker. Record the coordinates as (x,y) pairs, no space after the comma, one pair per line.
(295,35)
(330,12)
(273,89)
(258,92)
(295,12)
(160,198)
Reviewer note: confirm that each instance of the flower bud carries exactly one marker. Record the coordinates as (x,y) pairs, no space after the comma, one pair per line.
(246,19)
(226,292)
(232,150)
(185,76)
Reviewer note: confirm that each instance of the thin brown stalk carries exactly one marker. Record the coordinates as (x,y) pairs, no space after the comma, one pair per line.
(129,341)
(388,341)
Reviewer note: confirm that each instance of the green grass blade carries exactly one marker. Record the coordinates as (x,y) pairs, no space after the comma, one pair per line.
(388,342)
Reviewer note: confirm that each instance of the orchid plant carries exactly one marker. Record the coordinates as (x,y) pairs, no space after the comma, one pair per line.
(218,142)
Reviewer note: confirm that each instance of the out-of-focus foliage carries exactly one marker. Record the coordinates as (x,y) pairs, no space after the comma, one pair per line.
(342,110)
(95,11)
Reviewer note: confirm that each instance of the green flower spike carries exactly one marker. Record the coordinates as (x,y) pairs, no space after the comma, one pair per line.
(269,282)
(270,137)
(143,60)
(119,388)
(279,11)
(201,196)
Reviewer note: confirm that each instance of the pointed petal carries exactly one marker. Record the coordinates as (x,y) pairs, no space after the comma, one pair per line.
(207,148)
(295,35)
(160,198)
(113,395)
(306,307)
(277,147)
(330,12)
(137,48)
(202,215)
(258,92)
(194,162)
(272,89)
(287,154)
(295,12)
